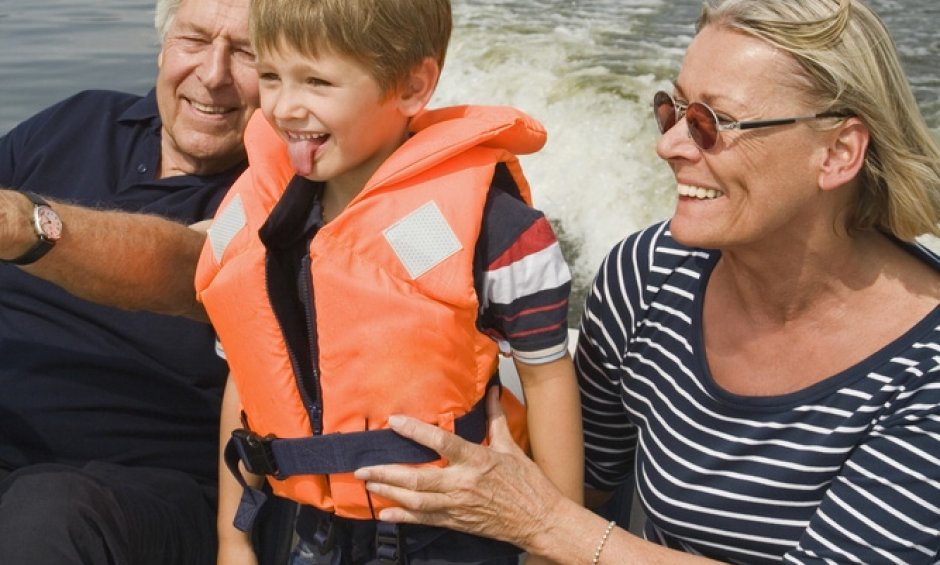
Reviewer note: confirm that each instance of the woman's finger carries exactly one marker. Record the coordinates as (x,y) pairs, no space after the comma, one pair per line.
(405,516)
(449,446)
(411,500)
(500,437)
(418,479)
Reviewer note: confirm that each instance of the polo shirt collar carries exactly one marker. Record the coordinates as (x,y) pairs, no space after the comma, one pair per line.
(143,110)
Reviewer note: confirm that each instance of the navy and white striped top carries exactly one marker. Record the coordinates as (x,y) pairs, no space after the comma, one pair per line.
(845,471)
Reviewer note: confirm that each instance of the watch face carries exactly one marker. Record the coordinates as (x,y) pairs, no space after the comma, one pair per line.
(48,223)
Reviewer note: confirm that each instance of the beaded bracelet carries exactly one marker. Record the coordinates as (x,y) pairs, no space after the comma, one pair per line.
(600,545)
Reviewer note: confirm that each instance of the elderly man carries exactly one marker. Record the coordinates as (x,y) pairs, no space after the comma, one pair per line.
(108,439)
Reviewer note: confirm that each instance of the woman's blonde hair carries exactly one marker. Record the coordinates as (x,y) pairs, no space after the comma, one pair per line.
(851,64)
(389,37)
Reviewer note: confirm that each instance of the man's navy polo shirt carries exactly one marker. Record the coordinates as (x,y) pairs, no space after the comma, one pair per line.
(81,382)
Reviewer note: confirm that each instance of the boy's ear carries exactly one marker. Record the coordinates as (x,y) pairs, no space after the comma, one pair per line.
(846,154)
(419,86)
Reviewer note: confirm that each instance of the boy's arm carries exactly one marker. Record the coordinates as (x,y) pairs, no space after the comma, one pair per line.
(234,545)
(553,415)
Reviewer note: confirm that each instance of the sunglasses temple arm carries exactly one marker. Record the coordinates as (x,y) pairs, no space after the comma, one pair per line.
(767,123)
(781,122)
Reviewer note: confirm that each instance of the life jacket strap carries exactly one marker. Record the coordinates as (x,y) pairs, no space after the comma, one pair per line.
(343,452)
(324,537)
(331,454)
(252,498)
(388,546)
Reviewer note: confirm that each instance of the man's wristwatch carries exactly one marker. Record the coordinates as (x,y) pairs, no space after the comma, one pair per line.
(48,228)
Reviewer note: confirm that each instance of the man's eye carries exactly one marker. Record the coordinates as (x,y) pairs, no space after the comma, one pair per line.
(194,39)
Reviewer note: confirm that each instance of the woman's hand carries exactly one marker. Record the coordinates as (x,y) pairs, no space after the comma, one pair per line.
(493,491)
(500,493)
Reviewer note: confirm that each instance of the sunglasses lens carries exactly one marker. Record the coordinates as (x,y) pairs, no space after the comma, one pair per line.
(665,111)
(702,124)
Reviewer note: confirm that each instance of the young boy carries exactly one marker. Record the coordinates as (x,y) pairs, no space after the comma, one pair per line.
(370,263)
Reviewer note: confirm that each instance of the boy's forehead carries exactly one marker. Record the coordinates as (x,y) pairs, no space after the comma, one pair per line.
(318,55)
(281,45)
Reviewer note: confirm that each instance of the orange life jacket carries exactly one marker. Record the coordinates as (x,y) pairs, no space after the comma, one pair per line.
(393,289)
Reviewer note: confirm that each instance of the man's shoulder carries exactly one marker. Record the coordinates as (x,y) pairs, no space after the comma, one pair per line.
(98,100)
(79,110)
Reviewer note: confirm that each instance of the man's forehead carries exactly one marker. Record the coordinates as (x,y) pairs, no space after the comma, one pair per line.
(218,17)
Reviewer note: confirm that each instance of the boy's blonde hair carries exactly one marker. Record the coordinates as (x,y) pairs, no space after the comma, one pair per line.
(848,63)
(388,37)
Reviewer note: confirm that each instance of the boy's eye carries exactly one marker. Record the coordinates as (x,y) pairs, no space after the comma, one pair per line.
(314,81)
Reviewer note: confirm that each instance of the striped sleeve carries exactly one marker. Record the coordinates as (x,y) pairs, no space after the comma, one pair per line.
(607,325)
(524,280)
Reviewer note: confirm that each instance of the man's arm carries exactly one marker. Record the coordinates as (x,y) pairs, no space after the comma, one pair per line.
(123,259)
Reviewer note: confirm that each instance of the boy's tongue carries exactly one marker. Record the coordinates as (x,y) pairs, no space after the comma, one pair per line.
(302,153)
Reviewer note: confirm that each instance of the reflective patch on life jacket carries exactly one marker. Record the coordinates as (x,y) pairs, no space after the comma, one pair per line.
(422,239)
(226,224)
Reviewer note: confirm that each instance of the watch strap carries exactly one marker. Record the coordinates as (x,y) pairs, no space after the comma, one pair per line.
(42,245)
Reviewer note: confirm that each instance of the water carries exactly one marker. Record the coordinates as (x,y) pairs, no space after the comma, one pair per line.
(585,68)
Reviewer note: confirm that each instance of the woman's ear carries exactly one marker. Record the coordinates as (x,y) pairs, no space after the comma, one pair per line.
(418,88)
(845,155)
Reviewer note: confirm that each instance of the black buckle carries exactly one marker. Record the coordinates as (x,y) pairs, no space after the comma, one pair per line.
(388,543)
(255,452)
(325,536)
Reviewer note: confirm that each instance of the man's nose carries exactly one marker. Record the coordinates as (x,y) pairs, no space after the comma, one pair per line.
(216,69)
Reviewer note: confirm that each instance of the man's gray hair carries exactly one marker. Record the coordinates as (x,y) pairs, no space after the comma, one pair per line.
(163,18)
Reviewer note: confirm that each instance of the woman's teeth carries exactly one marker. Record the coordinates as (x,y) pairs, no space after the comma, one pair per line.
(698,192)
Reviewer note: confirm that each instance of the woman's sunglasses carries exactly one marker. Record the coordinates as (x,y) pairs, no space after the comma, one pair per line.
(704,125)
